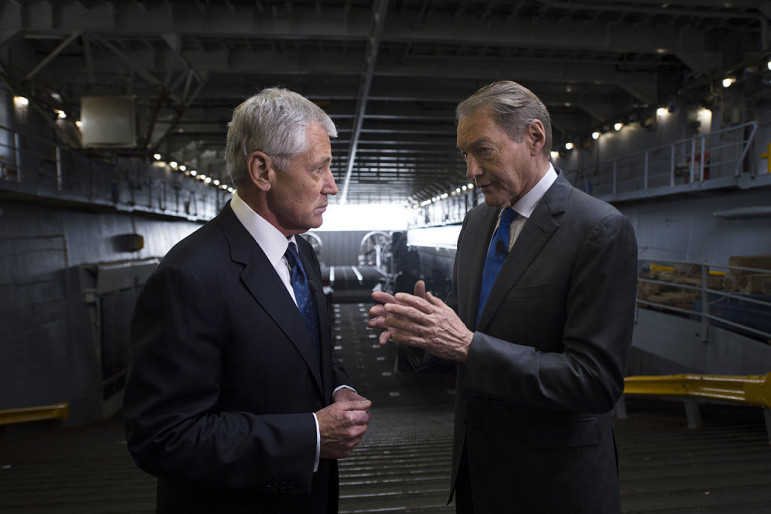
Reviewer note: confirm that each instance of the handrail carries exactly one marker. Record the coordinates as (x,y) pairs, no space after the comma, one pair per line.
(752,389)
(745,390)
(37,167)
(704,289)
(25,414)
(700,160)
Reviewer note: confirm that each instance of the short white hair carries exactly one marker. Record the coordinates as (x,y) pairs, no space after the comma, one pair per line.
(274,122)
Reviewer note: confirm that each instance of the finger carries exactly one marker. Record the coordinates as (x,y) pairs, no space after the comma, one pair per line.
(384,337)
(412,301)
(414,314)
(420,289)
(382,297)
(378,322)
(355,405)
(408,338)
(377,310)
(433,300)
(401,328)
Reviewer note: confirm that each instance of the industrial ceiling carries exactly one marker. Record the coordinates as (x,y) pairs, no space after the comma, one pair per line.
(389,73)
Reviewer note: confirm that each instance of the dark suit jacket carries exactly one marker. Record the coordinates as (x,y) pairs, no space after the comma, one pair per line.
(547,361)
(224,378)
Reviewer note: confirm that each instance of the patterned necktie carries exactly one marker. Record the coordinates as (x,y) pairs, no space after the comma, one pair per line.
(302,294)
(496,254)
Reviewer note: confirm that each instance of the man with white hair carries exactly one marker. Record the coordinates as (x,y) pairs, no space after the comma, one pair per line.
(235,399)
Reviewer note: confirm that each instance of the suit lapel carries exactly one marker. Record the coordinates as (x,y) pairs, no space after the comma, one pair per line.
(482,232)
(537,231)
(264,284)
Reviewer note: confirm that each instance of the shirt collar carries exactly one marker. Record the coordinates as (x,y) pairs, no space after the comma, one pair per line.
(272,242)
(526,205)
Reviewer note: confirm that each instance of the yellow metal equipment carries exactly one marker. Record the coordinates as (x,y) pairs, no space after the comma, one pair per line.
(25,414)
(753,389)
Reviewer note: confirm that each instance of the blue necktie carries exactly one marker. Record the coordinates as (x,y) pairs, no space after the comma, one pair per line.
(496,254)
(302,294)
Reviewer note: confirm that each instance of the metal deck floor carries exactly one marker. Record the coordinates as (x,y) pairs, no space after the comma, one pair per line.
(403,463)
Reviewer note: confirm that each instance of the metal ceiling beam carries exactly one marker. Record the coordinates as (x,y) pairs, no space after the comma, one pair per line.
(380,8)
(50,57)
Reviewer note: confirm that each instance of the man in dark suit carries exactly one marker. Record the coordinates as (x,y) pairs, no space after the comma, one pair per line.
(235,399)
(542,341)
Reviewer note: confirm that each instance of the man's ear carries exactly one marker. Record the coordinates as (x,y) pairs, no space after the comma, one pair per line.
(537,136)
(260,170)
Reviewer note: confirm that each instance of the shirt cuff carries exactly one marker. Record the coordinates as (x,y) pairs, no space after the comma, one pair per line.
(341,387)
(318,444)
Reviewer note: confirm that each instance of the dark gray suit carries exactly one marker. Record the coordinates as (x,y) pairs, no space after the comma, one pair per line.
(547,361)
(224,380)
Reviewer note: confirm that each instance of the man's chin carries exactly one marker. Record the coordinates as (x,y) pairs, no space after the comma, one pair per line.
(496,201)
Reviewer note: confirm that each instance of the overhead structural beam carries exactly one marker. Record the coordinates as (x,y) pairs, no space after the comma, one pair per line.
(50,57)
(130,62)
(379,11)
(761,18)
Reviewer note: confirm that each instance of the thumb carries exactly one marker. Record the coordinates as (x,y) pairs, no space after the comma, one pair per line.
(362,404)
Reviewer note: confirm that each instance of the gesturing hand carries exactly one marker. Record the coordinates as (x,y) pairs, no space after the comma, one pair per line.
(422,321)
(343,424)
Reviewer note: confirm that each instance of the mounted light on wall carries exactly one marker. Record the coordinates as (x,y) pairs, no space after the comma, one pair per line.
(596,135)
(662,111)
(568,146)
(20,102)
(157,156)
(554,155)
(728,81)
(618,126)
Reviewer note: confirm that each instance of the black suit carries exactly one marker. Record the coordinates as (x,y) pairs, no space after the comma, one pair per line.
(547,361)
(224,379)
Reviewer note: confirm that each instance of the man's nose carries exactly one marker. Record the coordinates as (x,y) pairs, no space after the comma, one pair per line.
(473,169)
(330,187)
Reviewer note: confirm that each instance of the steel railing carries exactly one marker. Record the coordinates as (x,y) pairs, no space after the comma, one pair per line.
(751,390)
(41,168)
(710,293)
(26,414)
(695,160)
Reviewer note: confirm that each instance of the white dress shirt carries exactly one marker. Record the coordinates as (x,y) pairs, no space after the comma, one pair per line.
(526,205)
(274,244)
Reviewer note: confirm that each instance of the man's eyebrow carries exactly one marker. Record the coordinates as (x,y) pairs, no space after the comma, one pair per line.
(321,162)
(476,142)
